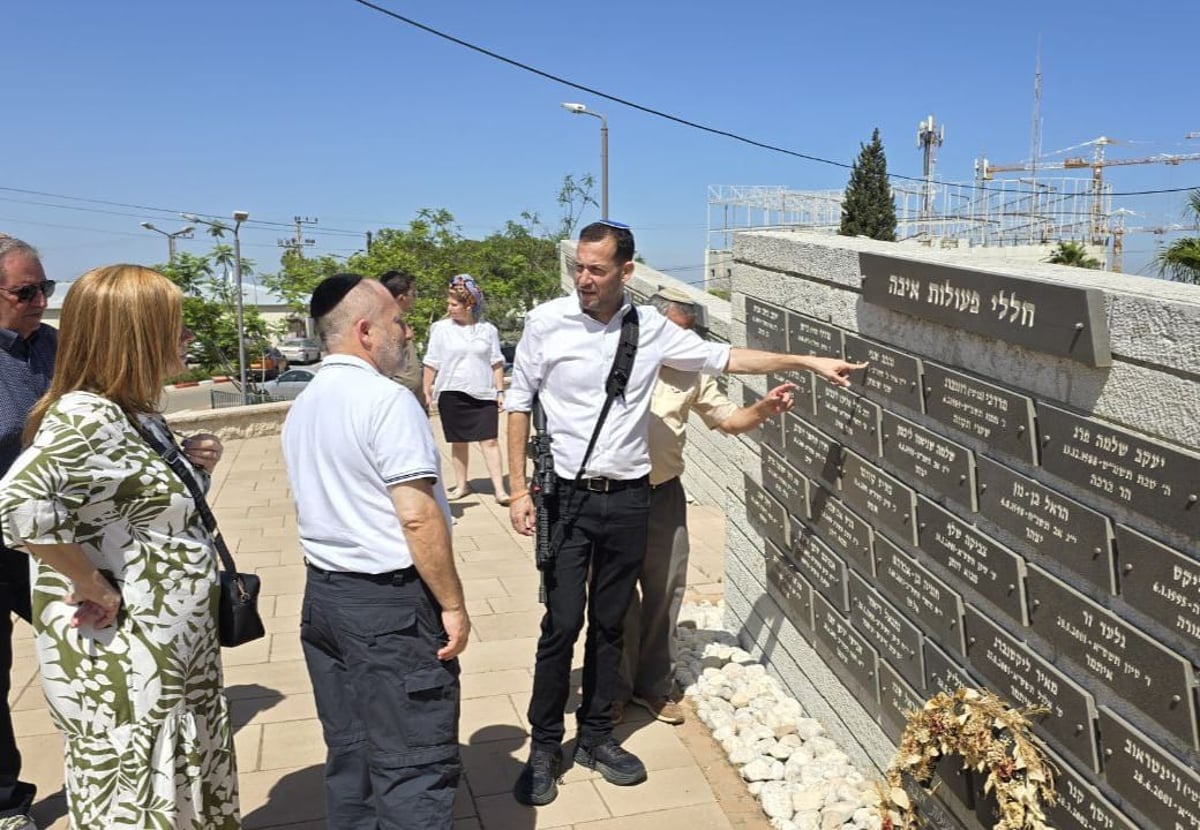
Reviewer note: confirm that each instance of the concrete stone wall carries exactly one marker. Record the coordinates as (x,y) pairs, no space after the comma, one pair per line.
(235,422)
(1074,631)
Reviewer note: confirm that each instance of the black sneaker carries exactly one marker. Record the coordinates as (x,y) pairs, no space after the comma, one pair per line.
(618,766)
(537,785)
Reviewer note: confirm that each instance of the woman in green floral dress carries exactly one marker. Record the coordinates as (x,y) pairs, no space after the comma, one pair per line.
(124,594)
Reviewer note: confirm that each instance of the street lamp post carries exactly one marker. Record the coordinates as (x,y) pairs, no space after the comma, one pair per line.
(184,233)
(580,109)
(239,216)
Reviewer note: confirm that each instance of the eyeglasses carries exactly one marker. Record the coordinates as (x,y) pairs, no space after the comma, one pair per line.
(26,293)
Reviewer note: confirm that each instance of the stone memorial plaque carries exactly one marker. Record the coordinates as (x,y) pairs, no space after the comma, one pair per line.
(1049,317)
(920,455)
(1136,471)
(1080,806)
(837,525)
(943,674)
(765,514)
(849,417)
(1164,790)
(766,326)
(811,451)
(847,653)
(1016,673)
(769,431)
(893,374)
(805,384)
(819,565)
(1048,522)
(980,562)
(782,481)
(806,335)
(896,699)
(1161,583)
(895,639)
(879,497)
(790,590)
(1151,677)
(1003,419)
(926,599)
(933,810)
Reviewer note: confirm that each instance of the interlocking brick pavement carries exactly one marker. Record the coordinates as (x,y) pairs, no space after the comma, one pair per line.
(278,738)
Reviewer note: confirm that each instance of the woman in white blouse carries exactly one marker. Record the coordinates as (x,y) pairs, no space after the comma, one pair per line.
(464,374)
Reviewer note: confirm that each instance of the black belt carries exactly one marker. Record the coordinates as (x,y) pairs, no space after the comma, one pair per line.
(600,484)
(390,577)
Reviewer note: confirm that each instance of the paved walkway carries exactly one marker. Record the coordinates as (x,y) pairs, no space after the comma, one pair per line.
(279,747)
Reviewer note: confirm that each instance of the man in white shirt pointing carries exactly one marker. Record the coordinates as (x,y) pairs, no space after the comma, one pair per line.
(599,514)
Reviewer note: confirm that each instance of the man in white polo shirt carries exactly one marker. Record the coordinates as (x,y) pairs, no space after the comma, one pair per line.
(383,618)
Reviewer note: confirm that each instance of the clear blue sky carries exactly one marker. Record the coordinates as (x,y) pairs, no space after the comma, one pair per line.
(325,108)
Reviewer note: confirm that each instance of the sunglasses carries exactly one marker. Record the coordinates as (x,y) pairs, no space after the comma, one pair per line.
(26,293)
(612,223)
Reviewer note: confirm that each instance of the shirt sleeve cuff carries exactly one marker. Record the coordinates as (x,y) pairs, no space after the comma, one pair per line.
(718,359)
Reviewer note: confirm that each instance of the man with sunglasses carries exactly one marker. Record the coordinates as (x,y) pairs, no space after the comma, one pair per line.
(27,350)
(599,515)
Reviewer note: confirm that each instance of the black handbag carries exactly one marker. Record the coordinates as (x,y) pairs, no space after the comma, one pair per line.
(238,620)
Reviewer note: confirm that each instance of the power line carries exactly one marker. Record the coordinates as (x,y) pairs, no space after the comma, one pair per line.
(625,102)
(146,208)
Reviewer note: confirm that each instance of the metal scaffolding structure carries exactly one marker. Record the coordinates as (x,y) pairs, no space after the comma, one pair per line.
(994,213)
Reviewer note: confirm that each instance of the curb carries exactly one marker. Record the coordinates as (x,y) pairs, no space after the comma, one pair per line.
(187,384)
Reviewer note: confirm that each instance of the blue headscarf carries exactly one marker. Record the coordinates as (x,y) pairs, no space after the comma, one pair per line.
(467,283)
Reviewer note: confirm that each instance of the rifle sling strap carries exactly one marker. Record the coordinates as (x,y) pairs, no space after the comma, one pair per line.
(614,386)
(618,378)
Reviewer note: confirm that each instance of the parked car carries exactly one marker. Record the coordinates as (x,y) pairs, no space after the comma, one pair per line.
(288,385)
(300,350)
(266,364)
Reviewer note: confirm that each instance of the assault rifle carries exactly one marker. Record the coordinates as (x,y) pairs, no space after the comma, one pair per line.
(542,489)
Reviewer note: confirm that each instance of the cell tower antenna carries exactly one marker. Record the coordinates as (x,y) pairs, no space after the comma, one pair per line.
(1035,137)
(929,137)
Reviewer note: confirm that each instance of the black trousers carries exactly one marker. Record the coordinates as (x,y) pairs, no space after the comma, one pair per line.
(388,707)
(596,567)
(15,796)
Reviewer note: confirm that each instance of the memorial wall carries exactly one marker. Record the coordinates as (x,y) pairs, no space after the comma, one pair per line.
(1008,497)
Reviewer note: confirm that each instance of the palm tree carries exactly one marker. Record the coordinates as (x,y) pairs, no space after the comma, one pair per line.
(1180,261)
(217,229)
(1073,254)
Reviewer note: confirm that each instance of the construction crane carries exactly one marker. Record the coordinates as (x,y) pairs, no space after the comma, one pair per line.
(1119,230)
(1098,233)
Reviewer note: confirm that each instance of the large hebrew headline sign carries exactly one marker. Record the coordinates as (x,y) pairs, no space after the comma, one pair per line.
(1048,317)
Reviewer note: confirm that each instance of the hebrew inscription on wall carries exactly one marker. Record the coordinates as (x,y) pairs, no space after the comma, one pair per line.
(929,528)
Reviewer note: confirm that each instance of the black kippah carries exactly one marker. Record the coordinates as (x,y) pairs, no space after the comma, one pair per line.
(330,292)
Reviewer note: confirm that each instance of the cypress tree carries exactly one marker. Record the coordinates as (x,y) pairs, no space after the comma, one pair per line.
(868,208)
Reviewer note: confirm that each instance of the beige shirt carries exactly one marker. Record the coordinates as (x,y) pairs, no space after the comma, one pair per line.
(411,377)
(675,395)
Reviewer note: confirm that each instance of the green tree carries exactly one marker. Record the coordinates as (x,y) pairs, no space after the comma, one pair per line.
(1073,254)
(868,208)
(574,197)
(1180,261)
(209,310)
(516,267)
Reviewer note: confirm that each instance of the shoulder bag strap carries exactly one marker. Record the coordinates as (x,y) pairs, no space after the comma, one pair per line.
(174,459)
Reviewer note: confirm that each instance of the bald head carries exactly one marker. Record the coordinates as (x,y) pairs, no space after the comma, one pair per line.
(360,303)
(366,324)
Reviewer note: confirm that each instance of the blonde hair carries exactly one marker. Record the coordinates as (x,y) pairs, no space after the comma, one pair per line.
(119,338)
